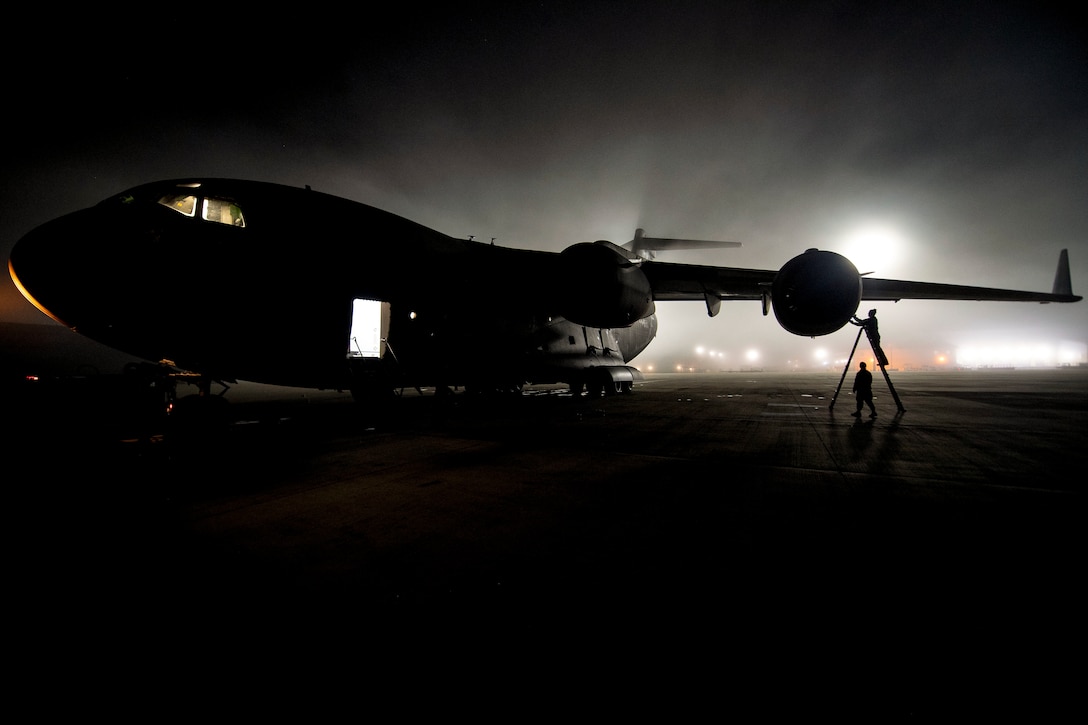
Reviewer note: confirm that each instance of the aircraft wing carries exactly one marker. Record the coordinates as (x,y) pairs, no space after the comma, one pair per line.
(895,290)
(671,282)
(891,289)
(816,292)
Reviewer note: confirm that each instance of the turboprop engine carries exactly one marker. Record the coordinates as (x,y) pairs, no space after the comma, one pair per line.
(816,293)
(603,287)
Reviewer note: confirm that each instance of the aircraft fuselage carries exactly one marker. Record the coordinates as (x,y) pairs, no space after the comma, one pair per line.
(246,280)
(254,281)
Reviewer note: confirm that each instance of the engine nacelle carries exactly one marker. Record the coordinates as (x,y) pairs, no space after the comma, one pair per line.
(816,293)
(602,287)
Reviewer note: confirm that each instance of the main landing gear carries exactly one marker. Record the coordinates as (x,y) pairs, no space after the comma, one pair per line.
(602,381)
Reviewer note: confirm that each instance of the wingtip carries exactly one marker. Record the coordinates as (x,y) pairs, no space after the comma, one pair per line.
(1063,283)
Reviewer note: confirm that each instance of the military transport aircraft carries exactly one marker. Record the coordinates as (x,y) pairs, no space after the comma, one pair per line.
(243,280)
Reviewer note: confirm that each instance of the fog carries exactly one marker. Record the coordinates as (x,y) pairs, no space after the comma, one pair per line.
(925,141)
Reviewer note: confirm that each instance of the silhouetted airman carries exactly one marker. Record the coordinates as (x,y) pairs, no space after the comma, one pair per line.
(863,389)
(872,331)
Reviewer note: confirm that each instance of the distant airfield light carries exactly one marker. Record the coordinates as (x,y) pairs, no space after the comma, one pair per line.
(1072,353)
(1021,354)
(752,355)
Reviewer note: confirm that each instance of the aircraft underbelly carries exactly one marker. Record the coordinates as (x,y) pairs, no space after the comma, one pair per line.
(434,346)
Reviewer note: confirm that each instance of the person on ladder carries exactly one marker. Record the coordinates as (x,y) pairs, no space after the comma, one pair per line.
(872,331)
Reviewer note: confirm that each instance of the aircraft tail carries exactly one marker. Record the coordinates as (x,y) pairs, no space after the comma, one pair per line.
(646,247)
(1063,284)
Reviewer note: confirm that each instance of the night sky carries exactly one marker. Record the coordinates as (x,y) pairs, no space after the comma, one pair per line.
(951,138)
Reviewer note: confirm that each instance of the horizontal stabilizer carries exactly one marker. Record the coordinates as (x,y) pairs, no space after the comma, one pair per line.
(645,247)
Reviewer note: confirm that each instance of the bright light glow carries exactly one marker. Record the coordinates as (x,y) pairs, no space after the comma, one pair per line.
(874,247)
(1020,354)
(752,355)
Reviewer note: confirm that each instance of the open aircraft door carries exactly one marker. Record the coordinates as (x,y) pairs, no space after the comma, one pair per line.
(369,329)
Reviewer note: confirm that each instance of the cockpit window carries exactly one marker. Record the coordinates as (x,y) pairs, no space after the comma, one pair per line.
(184,203)
(224,212)
(219,211)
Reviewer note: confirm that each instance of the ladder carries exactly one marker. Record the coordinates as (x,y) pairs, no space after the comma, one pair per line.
(881,361)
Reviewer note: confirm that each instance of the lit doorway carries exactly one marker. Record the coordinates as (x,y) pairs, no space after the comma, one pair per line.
(369,328)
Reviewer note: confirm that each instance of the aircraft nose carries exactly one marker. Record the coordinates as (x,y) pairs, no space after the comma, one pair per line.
(51,265)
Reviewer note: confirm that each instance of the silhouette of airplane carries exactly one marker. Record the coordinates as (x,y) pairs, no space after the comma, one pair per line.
(242,280)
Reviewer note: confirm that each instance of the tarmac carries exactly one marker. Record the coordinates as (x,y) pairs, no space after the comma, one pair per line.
(739,513)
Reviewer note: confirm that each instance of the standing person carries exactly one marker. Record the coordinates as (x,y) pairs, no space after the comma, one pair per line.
(863,389)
